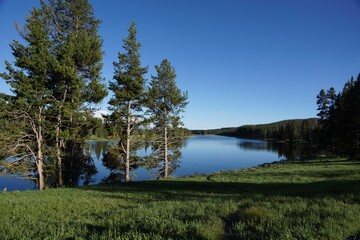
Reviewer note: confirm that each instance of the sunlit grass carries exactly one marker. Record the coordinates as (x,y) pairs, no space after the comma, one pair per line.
(294,200)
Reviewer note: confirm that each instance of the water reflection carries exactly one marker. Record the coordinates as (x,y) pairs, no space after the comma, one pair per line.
(96,149)
(79,171)
(12,183)
(200,154)
(209,147)
(114,177)
(285,150)
(253,145)
(100,147)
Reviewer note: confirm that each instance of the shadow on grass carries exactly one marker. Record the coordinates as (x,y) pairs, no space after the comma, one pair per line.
(353,237)
(326,162)
(345,174)
(193,190)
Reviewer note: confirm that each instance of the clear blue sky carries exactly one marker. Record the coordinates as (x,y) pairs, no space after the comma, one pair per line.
(242,62)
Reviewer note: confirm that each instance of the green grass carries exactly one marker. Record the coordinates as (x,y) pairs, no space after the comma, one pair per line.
(317,199)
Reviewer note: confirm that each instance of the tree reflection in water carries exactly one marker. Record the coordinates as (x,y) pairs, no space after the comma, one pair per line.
(79,169)
(286,150)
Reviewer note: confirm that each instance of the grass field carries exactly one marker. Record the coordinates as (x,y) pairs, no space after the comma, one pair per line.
(317,199)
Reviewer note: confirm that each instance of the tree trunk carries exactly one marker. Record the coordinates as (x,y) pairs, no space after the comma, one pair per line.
(58,152)
(59,143)
(40,158)
(166,164)
(128,132)
(39,164)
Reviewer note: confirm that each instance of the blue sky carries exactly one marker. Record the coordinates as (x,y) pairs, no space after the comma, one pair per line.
(242,62)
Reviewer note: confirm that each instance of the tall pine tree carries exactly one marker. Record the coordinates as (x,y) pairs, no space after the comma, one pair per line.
(128,101)
(323,105)
(76,76)
(165,103)
(29,82)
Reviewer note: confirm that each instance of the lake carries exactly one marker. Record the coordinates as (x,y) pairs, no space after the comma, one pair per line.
(200,154)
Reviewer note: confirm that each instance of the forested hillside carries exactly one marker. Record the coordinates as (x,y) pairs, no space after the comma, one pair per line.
(287,130)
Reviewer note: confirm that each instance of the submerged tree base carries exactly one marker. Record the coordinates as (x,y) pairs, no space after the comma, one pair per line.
(315,199)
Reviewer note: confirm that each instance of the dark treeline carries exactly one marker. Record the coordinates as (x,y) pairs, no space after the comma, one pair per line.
(339,124)
(300,130)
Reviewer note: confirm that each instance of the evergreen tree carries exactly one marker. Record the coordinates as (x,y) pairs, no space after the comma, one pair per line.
(332,96)
(128,100)
(57,77)
(323,105)
(29,81)
(326,102)
(4,127)
(114,125)
(76,80)
(165,103)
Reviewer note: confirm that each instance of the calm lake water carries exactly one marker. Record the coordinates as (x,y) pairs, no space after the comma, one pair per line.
(200,154)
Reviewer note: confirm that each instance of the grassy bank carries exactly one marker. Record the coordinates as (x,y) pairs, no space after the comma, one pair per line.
(293,200)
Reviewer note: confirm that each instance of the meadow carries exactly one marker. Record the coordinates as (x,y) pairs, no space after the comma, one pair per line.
(312,199)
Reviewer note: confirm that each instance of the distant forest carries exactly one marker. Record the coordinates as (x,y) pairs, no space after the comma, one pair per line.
(302,130)
(336,131)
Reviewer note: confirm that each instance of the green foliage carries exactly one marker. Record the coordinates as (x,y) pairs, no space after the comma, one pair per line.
(325,102)
(303,130)
(165,103)
(75,80)
(114,125)
(323,105)
(164,96)
(127,102)
(115,159)
(56,75)
(97,128)
(25,112)
(128,86)
(101,132)
(317,199)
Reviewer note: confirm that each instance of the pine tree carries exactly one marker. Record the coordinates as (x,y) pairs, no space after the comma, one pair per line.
(57,77)
(29,81)
(76,80)
(323,105)
(165,103)
(331,95)
(128,99)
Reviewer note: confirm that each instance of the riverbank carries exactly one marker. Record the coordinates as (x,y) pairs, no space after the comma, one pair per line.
(317,199)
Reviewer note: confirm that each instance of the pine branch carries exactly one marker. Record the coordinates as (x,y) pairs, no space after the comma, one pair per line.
(122,147)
